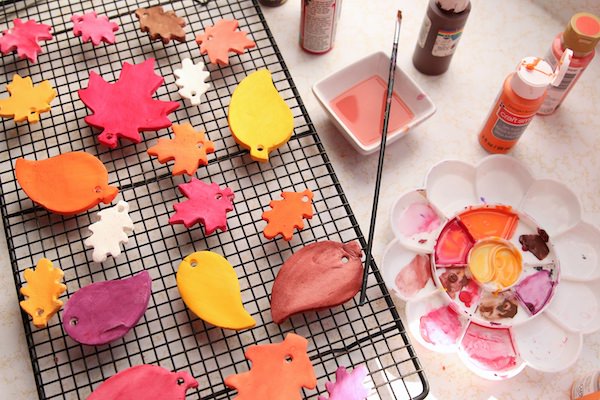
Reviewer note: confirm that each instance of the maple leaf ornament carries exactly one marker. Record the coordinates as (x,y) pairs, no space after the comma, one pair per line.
(192,80)
(26,101)
(161,24)
(24,37)
(188,148)
(221,38)
(288,214)
(207,204)
(42,291)
(110,231)
(125,108)
(95,28)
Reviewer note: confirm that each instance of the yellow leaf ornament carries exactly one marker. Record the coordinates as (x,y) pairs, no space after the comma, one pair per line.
(42,292)
(26,101)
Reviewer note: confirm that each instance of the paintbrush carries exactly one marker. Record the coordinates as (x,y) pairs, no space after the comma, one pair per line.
(386,120)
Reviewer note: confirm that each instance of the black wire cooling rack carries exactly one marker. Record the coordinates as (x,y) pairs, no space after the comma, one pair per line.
(169,335)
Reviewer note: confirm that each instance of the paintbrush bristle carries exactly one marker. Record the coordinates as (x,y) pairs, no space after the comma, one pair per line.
(399,16)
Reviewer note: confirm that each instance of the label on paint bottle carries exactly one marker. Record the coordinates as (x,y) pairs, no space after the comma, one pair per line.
(446,42)
(424,31)
(587,385)
(510,126)
(555,94)
(318,24)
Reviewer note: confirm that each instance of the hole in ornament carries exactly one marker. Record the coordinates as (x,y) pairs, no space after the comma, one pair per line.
(120,208)
(305,199)
(260,147)
(289,358)
(39,312)
(194,263)
(74,321)
(345,260)
(180,381)
(218,196)
(98,189)
(193,93)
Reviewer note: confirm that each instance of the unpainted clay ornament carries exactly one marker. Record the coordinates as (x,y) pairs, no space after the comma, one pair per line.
(94,28)
(318,276)
(23,38)
(161,24)
(207,204)
(188,148)
(259,118)
(110,231)
(210,288)
(26,102)
(288,214)
(191,79)
(42,292)
(125,108)
(103,312)
(278,371)
(347,386)
(221,38)
(67,184)
(147,382)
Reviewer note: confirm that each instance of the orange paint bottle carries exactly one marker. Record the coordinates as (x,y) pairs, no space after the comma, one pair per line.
(521,97)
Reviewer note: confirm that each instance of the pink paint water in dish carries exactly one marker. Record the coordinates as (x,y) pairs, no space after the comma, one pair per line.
(361,109)
(418,218)
(441,326)
(535,290)
(490,349)
(414,276)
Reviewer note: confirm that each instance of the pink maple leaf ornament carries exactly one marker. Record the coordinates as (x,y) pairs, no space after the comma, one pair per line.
(347,386)
(23,38)
(94,28)
(207,204)
(125,108)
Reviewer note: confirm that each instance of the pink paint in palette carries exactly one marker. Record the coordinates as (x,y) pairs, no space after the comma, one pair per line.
(361,109)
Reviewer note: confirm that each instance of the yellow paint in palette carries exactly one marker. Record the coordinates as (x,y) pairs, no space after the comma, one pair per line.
(495,261)
(259,119)
(209,286)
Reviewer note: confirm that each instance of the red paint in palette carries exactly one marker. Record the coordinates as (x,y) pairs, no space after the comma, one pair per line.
(361,109)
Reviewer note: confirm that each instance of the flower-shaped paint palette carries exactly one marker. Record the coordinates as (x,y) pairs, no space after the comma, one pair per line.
(497,266)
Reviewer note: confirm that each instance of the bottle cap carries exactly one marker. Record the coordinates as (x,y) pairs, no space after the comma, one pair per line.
(582,33)
(453,5)
(562,67)
(532,78)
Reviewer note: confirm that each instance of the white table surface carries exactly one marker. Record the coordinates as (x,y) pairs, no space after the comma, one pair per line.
(564,146)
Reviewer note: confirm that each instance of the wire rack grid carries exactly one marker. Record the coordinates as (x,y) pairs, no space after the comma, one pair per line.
(170,335)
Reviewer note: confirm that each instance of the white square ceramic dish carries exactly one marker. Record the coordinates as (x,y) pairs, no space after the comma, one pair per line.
(330,87)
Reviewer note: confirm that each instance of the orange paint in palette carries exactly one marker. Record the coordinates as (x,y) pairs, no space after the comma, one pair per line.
(361,109)
(487,221)
(453,245)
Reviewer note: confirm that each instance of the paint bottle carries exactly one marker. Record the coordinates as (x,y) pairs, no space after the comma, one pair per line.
(440,32)
(520,98)
(587,387)
(581,35)
(318,23)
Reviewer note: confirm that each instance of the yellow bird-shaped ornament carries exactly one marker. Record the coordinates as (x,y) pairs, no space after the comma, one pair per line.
(210,288)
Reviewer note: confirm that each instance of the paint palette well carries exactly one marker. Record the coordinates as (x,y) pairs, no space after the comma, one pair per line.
(501,268)
(354,98)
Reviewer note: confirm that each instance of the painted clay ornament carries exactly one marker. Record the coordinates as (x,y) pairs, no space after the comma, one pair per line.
(207,204)
(318,276)
(278,372)
(110,231)
(288,214)
(125,108)
(66,184)
(191,78)
(42,292)
(210,288)
(221,38)
(26,101)
(94,28)
(24,37)
(259,119)
(348,386)
(103,312)
(188,148)
(161,24)
(148,382)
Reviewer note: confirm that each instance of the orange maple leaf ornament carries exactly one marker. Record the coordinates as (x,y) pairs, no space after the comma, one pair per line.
(221,38)
(288,214)
(26,101)
(278,372)
(42,291)
(188,148)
